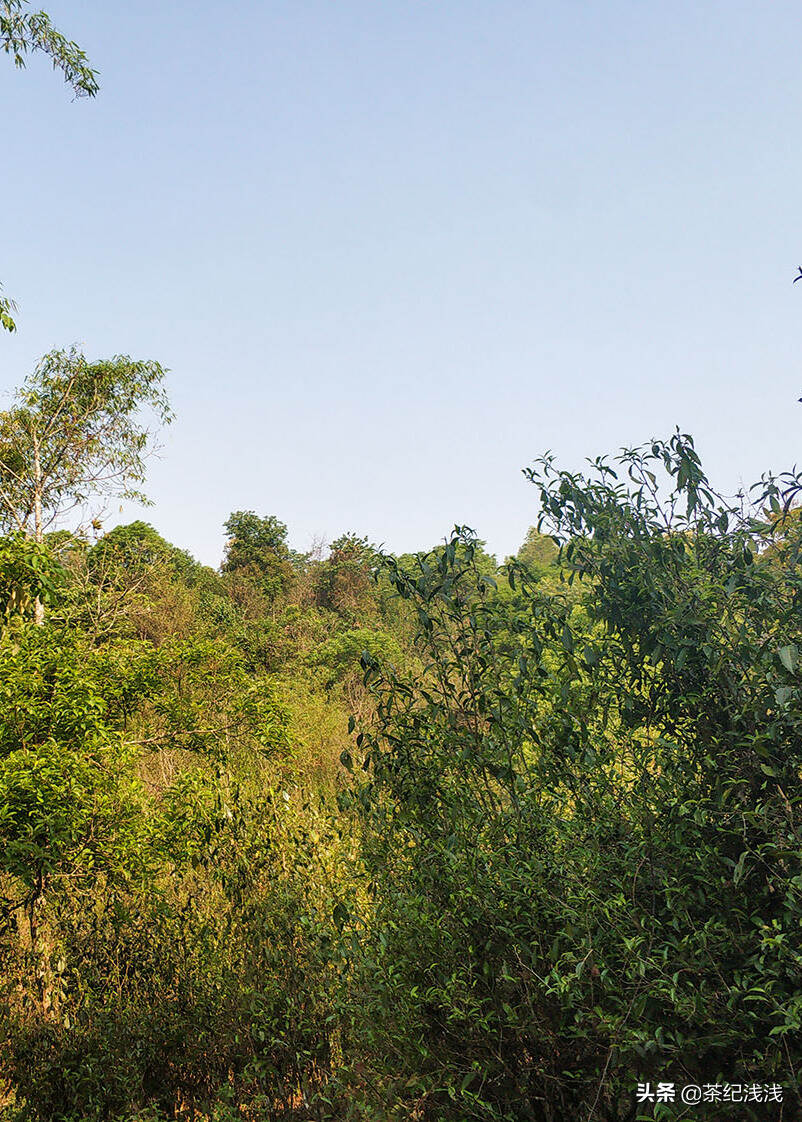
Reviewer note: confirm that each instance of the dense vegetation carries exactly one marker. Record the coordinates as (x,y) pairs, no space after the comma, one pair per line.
(356,836)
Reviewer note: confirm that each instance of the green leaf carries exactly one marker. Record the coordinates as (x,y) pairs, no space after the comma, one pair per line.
(789,656)
(340,915)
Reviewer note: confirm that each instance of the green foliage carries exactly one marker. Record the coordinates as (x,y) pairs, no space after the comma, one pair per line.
(257,548)
(28,572)
(462,538)
(344,581)
(344,653)
(555,850)
(538,551)
(76,432)
(7,308)
(582,823)
(213,984)
(65,814)
(23,32)
(145,891)
(137,547)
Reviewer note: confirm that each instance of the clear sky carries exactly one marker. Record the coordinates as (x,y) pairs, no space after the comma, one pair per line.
(391,251)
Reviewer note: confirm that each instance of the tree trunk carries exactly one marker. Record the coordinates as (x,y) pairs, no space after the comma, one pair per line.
(39,534)
(41,955)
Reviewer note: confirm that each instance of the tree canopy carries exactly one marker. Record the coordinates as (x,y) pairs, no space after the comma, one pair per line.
(258,546)
(77,432)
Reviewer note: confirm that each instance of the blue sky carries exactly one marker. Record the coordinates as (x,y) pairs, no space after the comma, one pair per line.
(393,251)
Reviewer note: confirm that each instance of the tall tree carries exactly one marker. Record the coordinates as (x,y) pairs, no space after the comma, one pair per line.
(76,432)
(344,580)
(257,548)
(539,551)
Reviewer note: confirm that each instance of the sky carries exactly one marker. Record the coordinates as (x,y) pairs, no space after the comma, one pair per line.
(392,251)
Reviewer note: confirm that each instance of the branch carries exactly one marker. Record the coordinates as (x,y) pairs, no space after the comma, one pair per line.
(22,32)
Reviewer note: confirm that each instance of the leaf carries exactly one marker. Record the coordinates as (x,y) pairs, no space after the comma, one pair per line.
(340,915)
(789,657)
(737,875)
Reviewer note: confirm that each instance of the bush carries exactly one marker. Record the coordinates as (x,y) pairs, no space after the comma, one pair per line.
(583,818)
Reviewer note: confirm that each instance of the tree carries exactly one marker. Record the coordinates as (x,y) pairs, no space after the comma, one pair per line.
(23,32)
(344,580)
(74,433)
(539,551)
(257,547)
(137,548)
(583,821)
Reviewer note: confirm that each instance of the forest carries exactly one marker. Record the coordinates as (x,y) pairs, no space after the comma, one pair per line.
(356,835)
(349,835)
